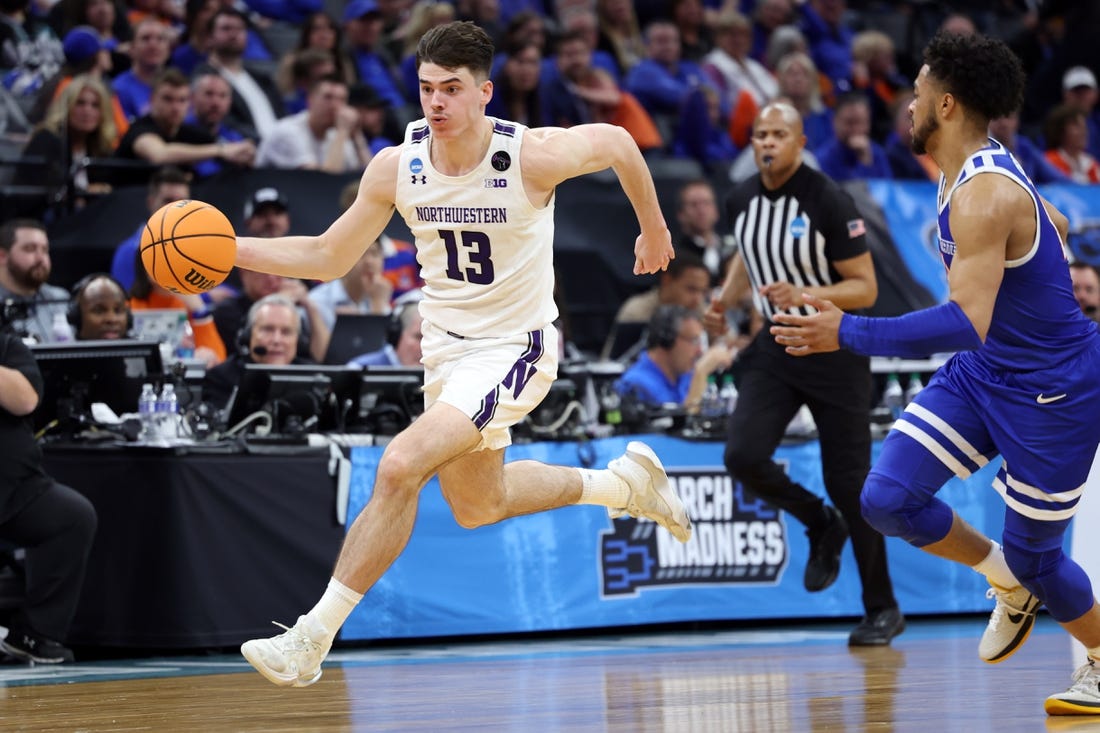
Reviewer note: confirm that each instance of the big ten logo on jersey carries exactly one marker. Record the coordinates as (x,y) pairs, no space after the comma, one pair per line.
(496,183)
(737,540)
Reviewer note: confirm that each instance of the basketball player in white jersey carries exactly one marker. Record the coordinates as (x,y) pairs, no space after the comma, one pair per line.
(478,194)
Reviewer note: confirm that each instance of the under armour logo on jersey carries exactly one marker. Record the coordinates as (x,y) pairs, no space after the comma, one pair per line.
(416,167)
(423,179)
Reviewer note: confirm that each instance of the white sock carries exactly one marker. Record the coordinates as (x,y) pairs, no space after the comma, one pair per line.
(995,569)
(335,606)
(603,487)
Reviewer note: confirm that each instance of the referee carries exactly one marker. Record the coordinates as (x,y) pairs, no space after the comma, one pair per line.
(798,232)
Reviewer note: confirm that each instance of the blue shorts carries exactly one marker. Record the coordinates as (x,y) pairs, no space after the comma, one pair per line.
(1043,423)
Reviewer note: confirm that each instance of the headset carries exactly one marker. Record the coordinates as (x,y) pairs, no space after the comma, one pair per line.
(664,326)
(72,315)
(399,318)
(244,334)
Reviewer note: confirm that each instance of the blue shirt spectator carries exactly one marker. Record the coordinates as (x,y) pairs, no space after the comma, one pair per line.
(663,81)
(842,163)
(830,41)
(646,382)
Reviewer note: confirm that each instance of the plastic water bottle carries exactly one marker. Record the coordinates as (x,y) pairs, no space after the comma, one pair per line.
(60,329)
(728,394)
(167,412)
(712,401)
(893,397)
(147,406)
(915,386)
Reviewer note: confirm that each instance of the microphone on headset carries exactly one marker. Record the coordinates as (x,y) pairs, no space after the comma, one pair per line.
(258,350)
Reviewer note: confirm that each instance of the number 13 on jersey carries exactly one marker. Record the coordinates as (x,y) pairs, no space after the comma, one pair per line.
(469,256)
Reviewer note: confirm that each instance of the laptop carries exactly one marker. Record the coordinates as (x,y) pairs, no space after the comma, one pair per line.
(354,334)
(163,325)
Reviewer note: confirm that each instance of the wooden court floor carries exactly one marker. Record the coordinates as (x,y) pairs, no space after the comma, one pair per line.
(770,679)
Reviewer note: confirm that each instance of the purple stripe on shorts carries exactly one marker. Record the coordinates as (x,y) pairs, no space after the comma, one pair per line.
(515,380)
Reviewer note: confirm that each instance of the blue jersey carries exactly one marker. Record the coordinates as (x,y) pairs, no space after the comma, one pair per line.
(1036,321)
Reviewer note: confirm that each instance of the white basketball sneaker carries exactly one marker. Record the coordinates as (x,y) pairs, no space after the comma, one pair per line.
(293,658)
(1083,696)
(1010,623)
(651,496)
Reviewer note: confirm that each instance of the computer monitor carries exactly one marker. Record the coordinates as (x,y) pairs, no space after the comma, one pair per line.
(78,373)
(314,398)
(355,334)
(392,397)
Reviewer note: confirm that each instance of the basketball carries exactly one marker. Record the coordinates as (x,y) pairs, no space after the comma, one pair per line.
(188,247)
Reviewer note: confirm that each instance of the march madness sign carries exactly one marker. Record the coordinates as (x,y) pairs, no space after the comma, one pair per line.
(737,540)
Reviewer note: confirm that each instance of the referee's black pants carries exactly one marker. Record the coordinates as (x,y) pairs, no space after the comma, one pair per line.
(56,529)
(836,387)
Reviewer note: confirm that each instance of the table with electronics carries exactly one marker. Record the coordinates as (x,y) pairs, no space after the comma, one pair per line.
(198,547)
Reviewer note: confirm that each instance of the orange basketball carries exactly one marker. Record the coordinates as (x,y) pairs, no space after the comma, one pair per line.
(188,247)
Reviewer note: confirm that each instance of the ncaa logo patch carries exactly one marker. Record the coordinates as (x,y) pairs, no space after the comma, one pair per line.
(799,226)
(416,165)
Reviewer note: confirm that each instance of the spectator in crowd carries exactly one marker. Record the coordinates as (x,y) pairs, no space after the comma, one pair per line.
(78,126)
(662,81)
(202,334)
(730,67)
(402,347)
(697,214)
(322,137)
(257,103)
(689,17)
(1005,130)
(1086,288)
(30,53)
(196,42)
(1067,136)
(875,73)
(904,163)
(674,367)
(170,14)
(85,55)
(620,34)
(25,267)
(149,52)
(106,17)
(54,524)
(852,153)
(797,77)
(270,333)
(304,69)
(1079,90)
(166,185)
(363,30)
(773,385)
(516,94)
(686,282)
(581,20)
(364,289)
(371,134)
(267,215)
(703,133)
(399,263)
(211,97)
(99,309)
(770,15)
(580,93)
(830,40)
(162,137)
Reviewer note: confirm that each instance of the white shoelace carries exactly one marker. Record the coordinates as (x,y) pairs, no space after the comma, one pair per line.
(294,639)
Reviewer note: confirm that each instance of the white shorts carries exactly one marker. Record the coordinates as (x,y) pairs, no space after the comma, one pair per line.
(495,381)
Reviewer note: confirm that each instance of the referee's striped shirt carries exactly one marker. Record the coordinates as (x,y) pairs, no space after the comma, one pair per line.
(795,233)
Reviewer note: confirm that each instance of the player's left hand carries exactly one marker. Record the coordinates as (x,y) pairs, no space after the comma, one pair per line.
(652,252)
(814,334)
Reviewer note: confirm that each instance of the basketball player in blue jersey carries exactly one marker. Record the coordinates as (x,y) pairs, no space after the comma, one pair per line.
(478,194)
(1023,383)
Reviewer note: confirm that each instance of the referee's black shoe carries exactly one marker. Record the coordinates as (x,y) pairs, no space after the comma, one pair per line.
(31,647)
(827,539)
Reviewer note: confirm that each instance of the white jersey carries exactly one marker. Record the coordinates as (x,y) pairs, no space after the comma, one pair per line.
(486,254)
